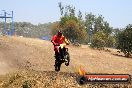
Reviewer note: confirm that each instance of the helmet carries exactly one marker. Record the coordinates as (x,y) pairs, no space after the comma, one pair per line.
(59,33)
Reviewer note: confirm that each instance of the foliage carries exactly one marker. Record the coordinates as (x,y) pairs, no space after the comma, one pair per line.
(96,26)
(99,40)
(67,18)
(80,16)
(111,41)
(27,29)
(54,28)
(73,32)
(115,33)
(68,10)
(125,41)
(71,26)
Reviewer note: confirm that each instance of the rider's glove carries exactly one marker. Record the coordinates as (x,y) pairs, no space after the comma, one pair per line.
(67,43)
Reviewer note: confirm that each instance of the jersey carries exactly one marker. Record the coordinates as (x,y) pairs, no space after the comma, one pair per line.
(59,40)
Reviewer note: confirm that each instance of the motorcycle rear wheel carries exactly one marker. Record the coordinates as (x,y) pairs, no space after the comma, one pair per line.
(57,65)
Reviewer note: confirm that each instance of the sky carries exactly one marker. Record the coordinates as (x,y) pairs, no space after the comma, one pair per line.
(116,12)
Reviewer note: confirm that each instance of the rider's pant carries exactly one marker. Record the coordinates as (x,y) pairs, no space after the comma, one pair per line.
(61,52)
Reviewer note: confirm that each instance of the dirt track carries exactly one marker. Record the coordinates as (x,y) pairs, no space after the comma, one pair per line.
(20,53)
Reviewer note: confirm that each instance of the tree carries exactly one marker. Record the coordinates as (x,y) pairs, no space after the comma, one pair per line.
(71,26)
(98,24)
(106,28)
(125,41)
(80,16)
(115,33)
(29,30)
(110,41)
(89,25)
(64,19)
(54,28)
(99,40)
(67,10)
(73,32)
(61,8)
(80,20)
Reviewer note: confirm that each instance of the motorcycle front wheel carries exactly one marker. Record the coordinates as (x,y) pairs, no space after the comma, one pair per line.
(67,59)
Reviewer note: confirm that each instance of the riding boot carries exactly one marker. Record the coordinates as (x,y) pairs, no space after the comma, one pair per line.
(64,52)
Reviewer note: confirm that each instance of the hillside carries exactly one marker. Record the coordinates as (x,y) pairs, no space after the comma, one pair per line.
(49,79)
(36,57)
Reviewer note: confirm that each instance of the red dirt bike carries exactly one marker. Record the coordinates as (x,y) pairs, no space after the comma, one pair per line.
(62,56)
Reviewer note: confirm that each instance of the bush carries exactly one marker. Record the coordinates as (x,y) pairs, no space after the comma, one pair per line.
(111,41)
(99,40)
(125,41)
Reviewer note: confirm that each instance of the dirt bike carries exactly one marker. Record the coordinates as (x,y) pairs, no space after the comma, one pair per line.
(62,57)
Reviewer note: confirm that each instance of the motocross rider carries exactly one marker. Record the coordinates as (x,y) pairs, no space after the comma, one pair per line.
(57,40)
